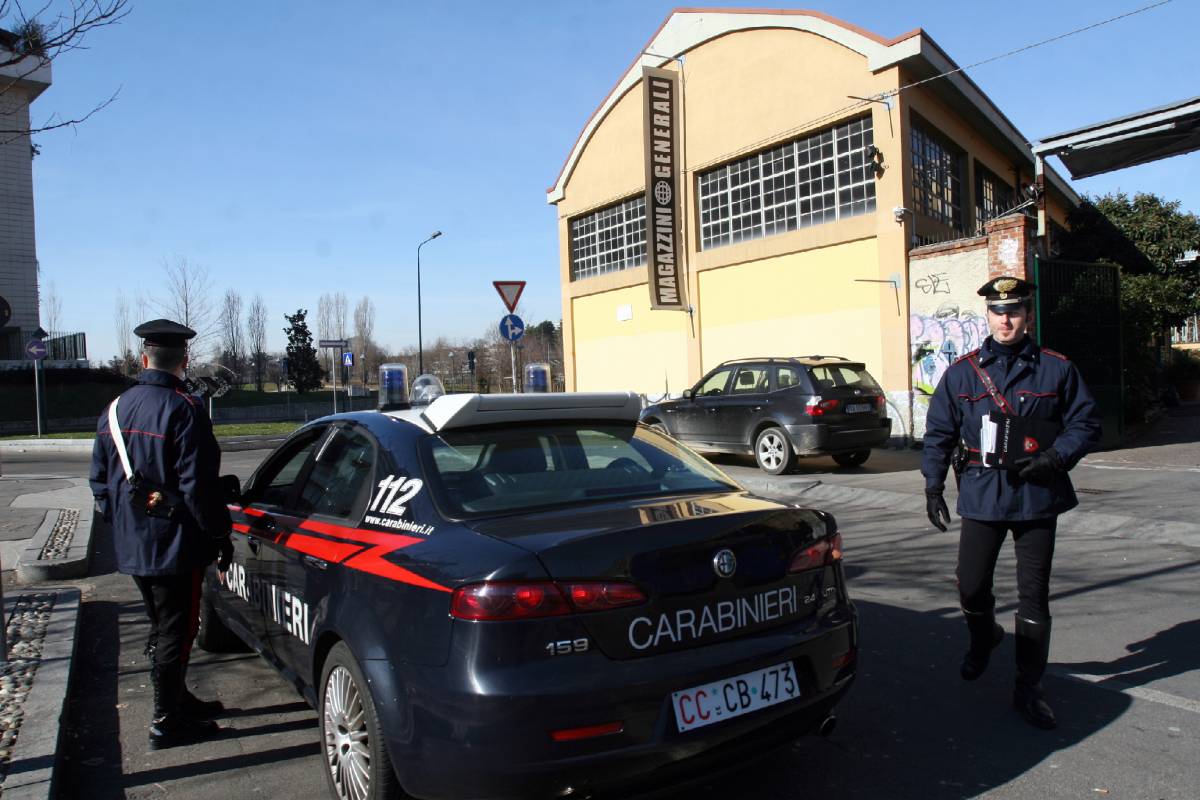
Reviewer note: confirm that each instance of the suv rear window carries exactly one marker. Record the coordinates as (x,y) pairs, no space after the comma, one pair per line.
(837,376)
(493,471)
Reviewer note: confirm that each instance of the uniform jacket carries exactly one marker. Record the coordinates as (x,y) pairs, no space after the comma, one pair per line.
(1041,383)
(170,441)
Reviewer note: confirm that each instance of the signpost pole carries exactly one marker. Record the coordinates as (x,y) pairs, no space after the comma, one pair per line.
(512,351)
(37,396)
(335,372)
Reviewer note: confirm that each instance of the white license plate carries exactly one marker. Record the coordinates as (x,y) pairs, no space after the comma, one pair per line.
(858,408)
(733,697)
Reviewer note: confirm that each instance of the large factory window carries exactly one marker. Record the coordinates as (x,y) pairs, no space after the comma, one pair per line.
(937,167)
(992,197)
(609,240)
(820,178)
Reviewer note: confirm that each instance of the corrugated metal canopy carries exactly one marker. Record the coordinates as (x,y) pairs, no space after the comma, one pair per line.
(1139,138)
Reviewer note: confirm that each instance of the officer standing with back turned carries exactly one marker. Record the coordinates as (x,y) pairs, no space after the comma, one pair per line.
(1012,475)
(155,479)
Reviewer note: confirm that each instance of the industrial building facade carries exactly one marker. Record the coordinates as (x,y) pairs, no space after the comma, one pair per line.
(832,204)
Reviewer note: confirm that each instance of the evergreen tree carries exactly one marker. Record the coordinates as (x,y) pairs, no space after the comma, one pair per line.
(304,370)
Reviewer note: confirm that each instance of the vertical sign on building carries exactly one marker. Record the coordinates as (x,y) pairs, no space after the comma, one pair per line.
(664,245)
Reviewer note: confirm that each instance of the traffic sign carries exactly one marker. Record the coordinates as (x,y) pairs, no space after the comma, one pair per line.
(340,344)
(511,327)
(510,292)
(347,359)
(35,349)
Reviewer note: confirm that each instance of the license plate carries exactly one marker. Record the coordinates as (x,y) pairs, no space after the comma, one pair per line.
(733,697)
(858,408)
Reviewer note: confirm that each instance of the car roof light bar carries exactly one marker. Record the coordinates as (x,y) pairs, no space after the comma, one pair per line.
(469,410)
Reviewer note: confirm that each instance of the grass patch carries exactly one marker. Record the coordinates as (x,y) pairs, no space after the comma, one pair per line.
(227,431)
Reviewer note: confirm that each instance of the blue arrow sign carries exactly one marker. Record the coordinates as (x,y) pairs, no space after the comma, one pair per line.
(35,349)
(511,327)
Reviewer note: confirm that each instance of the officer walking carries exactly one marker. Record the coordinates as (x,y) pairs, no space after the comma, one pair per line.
(1006,485)
(155,479)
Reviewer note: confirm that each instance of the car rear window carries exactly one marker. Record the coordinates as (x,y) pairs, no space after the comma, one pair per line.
(837,376)
(493,471)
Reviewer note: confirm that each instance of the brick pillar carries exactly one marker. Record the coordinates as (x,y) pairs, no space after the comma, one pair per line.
(1010,246)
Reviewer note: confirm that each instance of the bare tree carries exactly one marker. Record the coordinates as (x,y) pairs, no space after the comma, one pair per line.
(256,339)
(233,341)
(31,42)
(325,324)
(189,300)
(364,326)
(341,314)
(52,310)
(124,331)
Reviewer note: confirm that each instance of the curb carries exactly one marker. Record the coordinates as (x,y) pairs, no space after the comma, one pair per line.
(1074,521)
(33,567)
(48,445)
(31,770)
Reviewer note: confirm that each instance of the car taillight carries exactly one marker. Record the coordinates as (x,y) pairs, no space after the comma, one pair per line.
(533,599)
(881,402)
(816,406)
(820,553)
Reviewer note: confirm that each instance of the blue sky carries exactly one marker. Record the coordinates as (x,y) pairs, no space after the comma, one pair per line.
(306,147)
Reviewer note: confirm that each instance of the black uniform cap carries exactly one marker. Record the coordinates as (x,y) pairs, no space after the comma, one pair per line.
(164,333)
(999,293)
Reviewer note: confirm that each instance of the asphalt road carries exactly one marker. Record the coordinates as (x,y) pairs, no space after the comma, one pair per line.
(1124,681)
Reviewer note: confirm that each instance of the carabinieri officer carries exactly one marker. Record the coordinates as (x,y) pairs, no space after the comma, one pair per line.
(169,522)
(1026,381)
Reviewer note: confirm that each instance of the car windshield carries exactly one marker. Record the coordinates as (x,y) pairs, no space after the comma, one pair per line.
(484,472)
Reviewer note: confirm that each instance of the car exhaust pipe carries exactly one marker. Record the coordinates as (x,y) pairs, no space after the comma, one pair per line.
(827,725)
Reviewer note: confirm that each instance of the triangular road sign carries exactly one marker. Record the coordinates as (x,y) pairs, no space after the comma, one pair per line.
(510,292)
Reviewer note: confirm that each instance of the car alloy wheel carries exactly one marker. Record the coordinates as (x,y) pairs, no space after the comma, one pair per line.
(773,452)
(347,738)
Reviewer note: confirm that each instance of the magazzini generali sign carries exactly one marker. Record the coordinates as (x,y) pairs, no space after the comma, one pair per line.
(664,245)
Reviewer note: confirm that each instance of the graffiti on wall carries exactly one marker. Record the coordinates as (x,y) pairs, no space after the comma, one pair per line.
(940,339)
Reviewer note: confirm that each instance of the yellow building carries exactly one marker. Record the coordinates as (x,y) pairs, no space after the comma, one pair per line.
(814,221)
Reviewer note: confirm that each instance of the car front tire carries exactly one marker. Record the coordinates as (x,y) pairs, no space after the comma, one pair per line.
(356,765)
(773,451)
(854,459)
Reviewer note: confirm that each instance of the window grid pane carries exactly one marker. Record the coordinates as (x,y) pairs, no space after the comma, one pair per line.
(609,240)
(992,197)
(819,178)
(937,179)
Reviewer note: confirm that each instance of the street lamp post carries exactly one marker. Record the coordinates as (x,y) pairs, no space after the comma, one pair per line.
(420,343)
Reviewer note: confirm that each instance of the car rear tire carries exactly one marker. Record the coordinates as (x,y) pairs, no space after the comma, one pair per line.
(213,635)
(773,451)
(854,459)
(357,765)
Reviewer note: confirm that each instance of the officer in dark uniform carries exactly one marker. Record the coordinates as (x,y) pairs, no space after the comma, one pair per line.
(169,523)
(1026,381)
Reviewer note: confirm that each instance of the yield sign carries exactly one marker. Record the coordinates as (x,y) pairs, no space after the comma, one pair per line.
(510,292)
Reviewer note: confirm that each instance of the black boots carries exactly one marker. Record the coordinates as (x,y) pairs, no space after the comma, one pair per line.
(200,709)
(1033,650)
(172,726)
(985,637)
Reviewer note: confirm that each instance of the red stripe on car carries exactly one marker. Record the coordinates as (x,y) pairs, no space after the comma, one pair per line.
(324,549)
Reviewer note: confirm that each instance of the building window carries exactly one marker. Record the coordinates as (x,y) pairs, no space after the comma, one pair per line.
(609,240)
(992,197)
(937,177)
(820,178)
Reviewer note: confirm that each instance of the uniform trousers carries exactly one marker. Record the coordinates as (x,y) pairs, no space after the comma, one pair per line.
(979,547)
(173,606)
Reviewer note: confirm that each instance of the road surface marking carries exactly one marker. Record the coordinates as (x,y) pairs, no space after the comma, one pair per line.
(1140,692)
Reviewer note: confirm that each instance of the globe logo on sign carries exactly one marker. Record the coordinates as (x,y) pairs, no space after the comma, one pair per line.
(662,193)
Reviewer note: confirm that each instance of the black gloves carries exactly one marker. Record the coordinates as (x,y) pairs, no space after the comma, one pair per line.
(224,554)
(936,509)
(1042,467)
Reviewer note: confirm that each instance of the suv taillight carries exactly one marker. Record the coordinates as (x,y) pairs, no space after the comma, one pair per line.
(821,553)
(815,406)
(494,601)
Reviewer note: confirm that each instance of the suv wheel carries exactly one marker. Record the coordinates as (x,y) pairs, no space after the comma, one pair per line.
(853,459)
(356,760)
(773,452)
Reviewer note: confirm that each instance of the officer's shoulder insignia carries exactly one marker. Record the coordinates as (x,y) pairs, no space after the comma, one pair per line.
(962,358)
(1054,353)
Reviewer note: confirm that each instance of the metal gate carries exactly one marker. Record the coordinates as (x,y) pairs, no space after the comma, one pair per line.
(1079,314)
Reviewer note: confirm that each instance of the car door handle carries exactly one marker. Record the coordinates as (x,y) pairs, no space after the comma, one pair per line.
(250,540)
(316,562)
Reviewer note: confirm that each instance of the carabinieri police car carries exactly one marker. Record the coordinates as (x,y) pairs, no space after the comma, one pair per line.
(531,596)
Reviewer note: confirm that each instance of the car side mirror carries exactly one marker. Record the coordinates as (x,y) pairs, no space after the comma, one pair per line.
(688,394)
(231,488)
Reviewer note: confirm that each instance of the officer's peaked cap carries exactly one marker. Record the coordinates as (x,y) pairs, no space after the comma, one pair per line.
(1002,292)
(164,333)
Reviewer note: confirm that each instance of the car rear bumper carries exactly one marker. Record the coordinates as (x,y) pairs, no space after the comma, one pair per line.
(821,438)
(484,732)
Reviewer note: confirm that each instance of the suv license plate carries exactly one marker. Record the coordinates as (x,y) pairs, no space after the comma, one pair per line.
(733,697)
(858,408)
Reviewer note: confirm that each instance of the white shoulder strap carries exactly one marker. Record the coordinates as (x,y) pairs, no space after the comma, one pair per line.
(118,438)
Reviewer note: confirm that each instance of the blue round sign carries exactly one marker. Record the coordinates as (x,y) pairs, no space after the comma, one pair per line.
(511,327)
(35,349)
